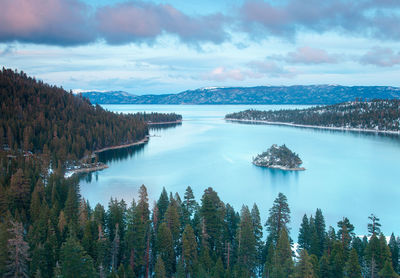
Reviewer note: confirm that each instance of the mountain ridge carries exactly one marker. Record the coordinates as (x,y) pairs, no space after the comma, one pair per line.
(295,94)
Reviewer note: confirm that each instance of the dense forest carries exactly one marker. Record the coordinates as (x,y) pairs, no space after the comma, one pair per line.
(382,115)
(48,230)
(42,119)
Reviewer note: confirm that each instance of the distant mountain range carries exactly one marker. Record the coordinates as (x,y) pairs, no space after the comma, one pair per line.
(312,94)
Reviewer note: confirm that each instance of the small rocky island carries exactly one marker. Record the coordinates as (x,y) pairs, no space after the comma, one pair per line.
(279,157)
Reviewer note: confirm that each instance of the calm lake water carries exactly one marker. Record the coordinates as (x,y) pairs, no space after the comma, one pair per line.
(348,173)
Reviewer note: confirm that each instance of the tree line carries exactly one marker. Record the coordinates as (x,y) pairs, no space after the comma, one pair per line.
(42,119)
(48,230)
(376,114)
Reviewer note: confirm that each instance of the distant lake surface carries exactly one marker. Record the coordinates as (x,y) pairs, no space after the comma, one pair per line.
(348,173)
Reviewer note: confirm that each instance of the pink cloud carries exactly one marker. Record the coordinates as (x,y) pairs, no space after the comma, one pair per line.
(222,74)
(139,21)
(45,21)
(382,57)
(309,55)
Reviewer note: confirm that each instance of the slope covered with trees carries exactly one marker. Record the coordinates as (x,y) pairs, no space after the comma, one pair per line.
(54,232)
(379,115)
(45,119)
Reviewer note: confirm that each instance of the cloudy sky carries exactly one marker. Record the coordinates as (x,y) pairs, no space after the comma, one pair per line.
(169,46)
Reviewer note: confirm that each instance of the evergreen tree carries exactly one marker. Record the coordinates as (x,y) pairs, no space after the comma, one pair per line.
(212,213)
(337,260)
(324,267)
(345,233)
(218,270)
(258,234)
(189,205)
(387,271)
(141,232)
(353,268)
(247,252)
(372,255)
(165,248)
(189,251)
(304,267)
(394,250)
(74,260)
(18,256)
(162,204)
(283,264)
(171,217)
(160,269)
(279,217)
(319,224)
(374,228)
(304,240)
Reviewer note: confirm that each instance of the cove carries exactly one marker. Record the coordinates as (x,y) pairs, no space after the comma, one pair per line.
(348,174)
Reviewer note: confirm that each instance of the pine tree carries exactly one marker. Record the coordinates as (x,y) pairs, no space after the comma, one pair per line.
(3,250)
(18,256)
(189,251)
(74,260)
(394,250)
(160,269)
(165,248)
(304,240)
(319,223)
(141,233)
(189,205)
(353,268)
(345,232)
(283,264)
(162,204)
(337,260)
(218,270)
(171,217)
(387,271)
(304,267)
(374,226)
(279,217)
(247,252)
(372,255)
(324,268)
(258,234)
(212,213)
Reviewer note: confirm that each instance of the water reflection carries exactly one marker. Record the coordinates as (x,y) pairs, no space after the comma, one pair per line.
(390,137)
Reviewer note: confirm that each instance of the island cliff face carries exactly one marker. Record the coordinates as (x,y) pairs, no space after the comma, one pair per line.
(279,157)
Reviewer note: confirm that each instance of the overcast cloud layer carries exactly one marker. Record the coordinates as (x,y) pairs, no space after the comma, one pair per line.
(239,42)
(71,22)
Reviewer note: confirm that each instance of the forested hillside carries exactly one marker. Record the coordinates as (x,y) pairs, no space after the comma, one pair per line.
(47,229)
(45,119)
(380,115)
(53,232)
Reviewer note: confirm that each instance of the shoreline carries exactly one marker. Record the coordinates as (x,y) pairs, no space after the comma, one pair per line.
(95,168)
(143,141)
(318,127)
(103,166)
(165,123)
(280,167)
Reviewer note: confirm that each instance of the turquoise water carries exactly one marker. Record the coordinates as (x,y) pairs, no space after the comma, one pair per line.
(348,173)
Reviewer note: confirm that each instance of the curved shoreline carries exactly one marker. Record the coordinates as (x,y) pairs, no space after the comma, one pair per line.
(144,140)
(318,127)
(165,123)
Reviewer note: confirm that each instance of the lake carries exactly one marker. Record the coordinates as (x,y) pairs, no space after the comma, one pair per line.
(348,173)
